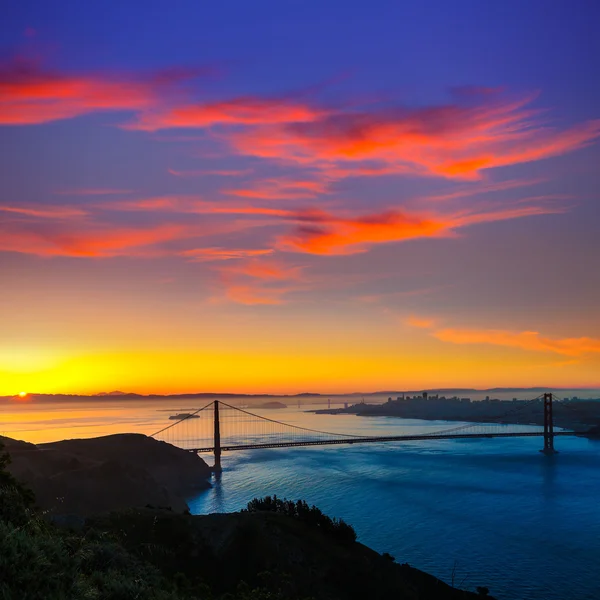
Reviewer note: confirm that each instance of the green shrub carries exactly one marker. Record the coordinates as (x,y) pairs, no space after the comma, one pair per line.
(311,515)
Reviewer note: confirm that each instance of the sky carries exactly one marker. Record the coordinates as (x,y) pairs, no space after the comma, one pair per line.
(299,196)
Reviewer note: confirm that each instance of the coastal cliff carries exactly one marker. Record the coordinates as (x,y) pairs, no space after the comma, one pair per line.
(85,476)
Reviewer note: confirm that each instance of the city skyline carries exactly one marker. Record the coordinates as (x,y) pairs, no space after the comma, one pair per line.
(252,199)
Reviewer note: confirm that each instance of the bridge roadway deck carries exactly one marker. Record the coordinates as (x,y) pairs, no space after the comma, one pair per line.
(373,440)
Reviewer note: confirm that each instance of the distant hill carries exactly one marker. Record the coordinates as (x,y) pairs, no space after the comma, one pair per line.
(271,405)
(39,397)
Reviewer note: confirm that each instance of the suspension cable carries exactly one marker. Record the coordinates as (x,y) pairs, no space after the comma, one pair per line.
(292,426)
(189,416)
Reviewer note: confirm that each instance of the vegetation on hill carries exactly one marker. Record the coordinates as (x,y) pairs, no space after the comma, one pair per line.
(310,515)
(275,550)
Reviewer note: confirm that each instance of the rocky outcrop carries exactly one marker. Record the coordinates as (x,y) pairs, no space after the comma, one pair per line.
(87,476)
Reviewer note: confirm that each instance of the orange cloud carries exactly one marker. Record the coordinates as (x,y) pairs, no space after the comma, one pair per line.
(97,242)
(323,233)
(259,281)
(454,141)
(477,131)
(326,234)
(45,212)
(202,173)
(261,269)
(30,94)
(420,322)
(93,192)
(484,189)
(210,254)
(247,110)
(281,189)
(193,205)
(252,294)
(526,340)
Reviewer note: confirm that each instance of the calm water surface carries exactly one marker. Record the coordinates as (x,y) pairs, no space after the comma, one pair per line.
(495,510)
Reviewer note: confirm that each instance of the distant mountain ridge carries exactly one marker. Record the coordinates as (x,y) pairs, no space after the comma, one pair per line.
(224,395)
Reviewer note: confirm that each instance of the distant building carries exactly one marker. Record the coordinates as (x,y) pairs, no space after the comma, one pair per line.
(424,395)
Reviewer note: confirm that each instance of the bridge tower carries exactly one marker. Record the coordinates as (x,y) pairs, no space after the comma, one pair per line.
(548,426)
(217,439)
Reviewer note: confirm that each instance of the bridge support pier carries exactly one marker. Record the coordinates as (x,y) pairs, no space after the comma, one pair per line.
(548,448)
(217,440)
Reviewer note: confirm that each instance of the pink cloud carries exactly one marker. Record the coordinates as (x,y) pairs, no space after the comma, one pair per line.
(281,189)
(45,212)
(30,94)
(211,254)
(202,173)
(453,141)
(478,130)
(260,281)
(249,110)
(96,242)
(320,232)
(93,192)
(252,294)
(420,322)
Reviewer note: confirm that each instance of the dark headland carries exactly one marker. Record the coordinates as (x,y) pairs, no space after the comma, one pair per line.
(84,476)
(122,545)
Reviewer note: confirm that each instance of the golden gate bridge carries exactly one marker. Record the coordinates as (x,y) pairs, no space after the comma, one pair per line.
(220,427)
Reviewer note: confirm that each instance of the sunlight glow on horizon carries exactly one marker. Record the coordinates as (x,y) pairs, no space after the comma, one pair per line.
(322,216)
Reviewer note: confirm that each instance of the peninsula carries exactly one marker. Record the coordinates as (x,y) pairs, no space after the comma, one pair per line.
(569,413)
(85,476)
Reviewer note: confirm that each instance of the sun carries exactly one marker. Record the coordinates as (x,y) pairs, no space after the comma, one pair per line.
(22,394)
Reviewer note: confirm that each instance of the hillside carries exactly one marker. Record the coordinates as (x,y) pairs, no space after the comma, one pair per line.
(107,473)
(270,550)
(276,550)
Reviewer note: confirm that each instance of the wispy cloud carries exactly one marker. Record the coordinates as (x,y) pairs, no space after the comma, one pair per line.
(317,231)
(93,192)
(248,110)
(30,94)
(260,281)
(420,322)
(479,188)
(324,233)
(252,294)
(481,130)
(91,242)
(526,340)
(215,172)
(211,254)
(44,211)
(455,141)
(281,189)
